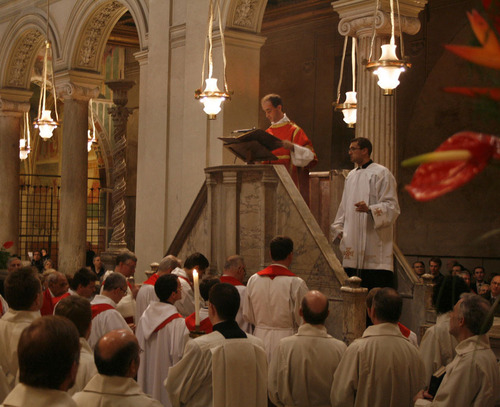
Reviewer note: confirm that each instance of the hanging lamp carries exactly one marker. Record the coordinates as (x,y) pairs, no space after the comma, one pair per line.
(349,107)
(24,142)
(91,133)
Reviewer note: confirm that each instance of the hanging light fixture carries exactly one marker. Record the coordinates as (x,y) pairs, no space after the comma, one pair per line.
(349,107)
(24,142)
(44,121)
(91,133)
(212,97)
(388,67)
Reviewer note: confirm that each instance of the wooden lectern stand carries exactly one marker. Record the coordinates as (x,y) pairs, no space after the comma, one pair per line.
(253,145)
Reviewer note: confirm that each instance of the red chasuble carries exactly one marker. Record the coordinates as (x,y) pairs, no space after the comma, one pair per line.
(151,280)
(291,132)
(275,271)
(98,308)
(205,325)
(55,300)
(47,306)
(230,280)
(404,330)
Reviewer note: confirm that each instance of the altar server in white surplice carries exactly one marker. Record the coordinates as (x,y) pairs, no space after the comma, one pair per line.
(225,368)
(146,294)
(365,217)
(161,333)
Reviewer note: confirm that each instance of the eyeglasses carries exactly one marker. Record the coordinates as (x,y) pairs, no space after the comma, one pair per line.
(124,290)
(354,148)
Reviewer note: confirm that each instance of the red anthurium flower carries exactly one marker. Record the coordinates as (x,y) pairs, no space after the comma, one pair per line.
(433,179)
(8,245)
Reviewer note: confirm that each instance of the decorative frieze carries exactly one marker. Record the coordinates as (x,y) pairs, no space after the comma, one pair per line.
(20,64)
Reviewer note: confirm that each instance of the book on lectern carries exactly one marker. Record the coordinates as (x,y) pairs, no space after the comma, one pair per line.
(252,145)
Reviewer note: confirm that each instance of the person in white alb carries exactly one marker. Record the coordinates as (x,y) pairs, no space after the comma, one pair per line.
(49,351)
(23,292)
(161,333)
(77,310)
(301,371)
(365,218)
(146,294)
(225,368)
(195,261)
(274,296)
(472,378)
(105,316)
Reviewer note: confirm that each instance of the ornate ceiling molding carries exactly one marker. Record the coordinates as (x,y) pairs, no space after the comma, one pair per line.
(246,14)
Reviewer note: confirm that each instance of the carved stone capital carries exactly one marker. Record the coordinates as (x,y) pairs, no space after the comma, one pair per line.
(14,101)
(77,85)
(76,92)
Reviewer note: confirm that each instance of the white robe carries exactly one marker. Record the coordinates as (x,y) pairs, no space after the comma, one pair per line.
(24,396)
(86,368)
(186,304)
(113,391)
(272,306)
(301,371)
(12,325)
(5,306)
(106,321)
(242,322)
(145,296)
(239,371)
(162,349)
(126,307)
(367,238)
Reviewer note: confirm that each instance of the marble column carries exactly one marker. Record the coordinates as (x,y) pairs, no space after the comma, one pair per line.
(13,103)
(76,92)
(376,112)
(119,114)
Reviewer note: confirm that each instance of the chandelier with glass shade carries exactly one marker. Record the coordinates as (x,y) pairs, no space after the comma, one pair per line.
(349,107)
(212,97)
(91,133)
(388,67)
(44,121)
(24,142)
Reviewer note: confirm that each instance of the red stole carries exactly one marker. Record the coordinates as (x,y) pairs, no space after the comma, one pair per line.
(230,280)
(169,319)
(404,330)
(186,279)
(98,308)
(151,280)
(55,300)
(205,325)
(47,306)
(275,271)
(1,308)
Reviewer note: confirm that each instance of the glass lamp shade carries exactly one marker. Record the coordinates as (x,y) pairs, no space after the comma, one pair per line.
(23,149)
(90,140)
(350,112)
(46,125)
(388,76)
(212,98)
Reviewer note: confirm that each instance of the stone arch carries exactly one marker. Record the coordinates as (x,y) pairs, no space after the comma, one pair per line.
(91,23)
(244,15)
(21,44)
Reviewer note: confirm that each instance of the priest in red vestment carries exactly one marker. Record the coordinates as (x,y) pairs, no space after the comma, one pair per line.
(297,153)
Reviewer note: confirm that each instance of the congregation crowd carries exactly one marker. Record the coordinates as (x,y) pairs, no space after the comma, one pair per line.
(102,340)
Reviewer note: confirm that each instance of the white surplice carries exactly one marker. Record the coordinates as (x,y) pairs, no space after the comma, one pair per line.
(86,368)
(186,304)
(106,321)
(367,238)
(145,296)
(126,307)
(162,349)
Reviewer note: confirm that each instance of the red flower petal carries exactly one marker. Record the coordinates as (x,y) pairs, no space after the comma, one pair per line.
(8,245)
(431,180)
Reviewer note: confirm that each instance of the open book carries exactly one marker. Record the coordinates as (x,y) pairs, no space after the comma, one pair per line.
(252,145)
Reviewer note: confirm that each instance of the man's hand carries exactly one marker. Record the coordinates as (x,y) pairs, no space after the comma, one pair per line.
(362,207)
(422,394)
(288,145)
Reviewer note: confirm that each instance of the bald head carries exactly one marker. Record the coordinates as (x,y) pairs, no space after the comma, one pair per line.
(117,354)
(235,267)
(58,283)
(314,308)
(167,264)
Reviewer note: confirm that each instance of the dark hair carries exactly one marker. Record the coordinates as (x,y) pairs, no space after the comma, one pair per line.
(196,260)
(114,281)
(476,312)
(436,260)
(226,300)
(447,293)
(124,256)
(82,277)
(165,286)
(457,264)
(479,267)
(281,247)
(273,98)
(77,310)
(363,142)
(46,352)
(205,286)
(119,363)
(311,317)
(418,262)
(22,287)
(388,305)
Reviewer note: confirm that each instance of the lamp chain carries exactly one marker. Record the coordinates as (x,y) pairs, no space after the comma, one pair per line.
(374,32)
(401,42)
(223,42)
(346,38)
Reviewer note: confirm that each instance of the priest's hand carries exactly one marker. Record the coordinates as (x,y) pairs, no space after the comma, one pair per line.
(288,145)
(362,207)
